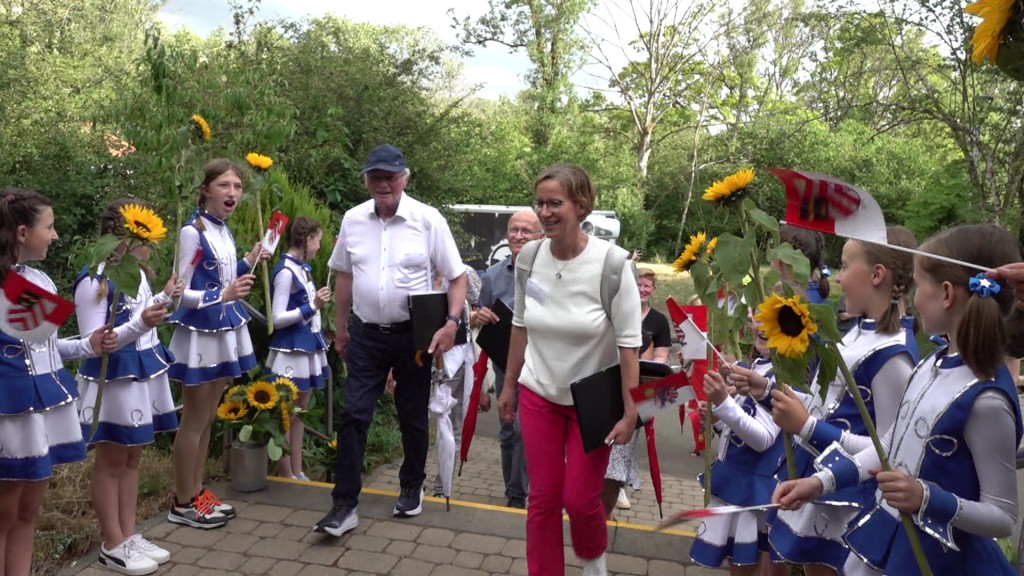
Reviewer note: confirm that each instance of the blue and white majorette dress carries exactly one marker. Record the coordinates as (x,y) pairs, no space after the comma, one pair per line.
(211,340)
(297,347)
(137,400)
(749,452)
(881,366)
(930,441)
(38,420)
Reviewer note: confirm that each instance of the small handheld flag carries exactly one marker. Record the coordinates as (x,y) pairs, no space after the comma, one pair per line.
(679,517)
(275,230)
(30,313)
(671,391)
(691,323)
(823,203)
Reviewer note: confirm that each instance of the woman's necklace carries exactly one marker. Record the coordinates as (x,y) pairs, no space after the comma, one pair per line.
(558,273)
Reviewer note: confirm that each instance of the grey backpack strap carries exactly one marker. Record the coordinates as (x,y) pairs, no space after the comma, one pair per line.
(611,276)
(524,263)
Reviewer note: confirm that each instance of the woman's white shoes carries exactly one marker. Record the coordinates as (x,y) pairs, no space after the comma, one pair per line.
(595,567)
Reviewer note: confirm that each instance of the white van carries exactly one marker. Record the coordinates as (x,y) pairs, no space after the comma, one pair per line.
(486,224)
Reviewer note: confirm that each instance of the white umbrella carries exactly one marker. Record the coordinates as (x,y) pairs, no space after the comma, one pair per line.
(441,404)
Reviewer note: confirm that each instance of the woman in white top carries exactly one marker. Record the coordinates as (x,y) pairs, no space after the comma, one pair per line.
(561,333)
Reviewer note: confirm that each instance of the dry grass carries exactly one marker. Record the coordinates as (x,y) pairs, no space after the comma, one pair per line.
(67,528)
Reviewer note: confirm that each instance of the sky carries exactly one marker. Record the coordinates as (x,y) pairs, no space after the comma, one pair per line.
(500,72)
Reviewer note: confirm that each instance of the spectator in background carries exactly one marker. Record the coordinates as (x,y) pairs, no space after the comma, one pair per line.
(498,283)
(655,344)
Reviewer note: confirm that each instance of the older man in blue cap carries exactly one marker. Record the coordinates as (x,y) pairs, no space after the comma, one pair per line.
(388,248)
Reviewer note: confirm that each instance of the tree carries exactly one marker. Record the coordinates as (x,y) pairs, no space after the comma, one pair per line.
(546,29)
(666,61)
(978,107)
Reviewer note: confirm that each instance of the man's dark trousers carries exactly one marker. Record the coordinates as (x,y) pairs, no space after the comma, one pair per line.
(371,353)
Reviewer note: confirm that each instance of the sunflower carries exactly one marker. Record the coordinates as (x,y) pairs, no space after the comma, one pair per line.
(697,248)
(262,395)
(989,34)
(729,189)
(288,384)
(787,323)
(201,127)
(259,161)
(286,418)
(231,410)
(234,391)
(143,223)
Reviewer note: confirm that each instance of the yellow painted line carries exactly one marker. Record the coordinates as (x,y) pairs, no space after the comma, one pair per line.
(481,506)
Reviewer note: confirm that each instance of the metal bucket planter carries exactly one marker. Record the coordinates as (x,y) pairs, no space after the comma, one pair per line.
(248,466)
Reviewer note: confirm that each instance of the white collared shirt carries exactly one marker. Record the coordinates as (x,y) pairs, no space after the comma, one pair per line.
(390,259)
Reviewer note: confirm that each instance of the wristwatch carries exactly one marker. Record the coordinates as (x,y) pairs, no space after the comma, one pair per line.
(454,318)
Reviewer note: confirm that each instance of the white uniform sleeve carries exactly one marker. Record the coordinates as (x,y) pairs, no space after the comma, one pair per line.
(189,245)
(989,434)
(758,431)
(90,310)
(282,293)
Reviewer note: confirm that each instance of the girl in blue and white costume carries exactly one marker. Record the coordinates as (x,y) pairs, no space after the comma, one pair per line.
(953,446)
(297,347)
(38,421)
(136,404)
(211,343)
(874,279)
(749,452)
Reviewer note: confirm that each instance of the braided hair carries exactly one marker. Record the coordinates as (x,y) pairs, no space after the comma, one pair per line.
(300,230)
(900,266)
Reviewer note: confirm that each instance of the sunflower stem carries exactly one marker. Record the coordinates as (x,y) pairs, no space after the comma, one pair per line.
(709,432)
(177,247)
(869,424)
(761,289)
(101,381)
(264,273)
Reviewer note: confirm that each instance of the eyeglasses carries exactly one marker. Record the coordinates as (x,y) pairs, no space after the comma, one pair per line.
(552,205)
(513,232)
(385,177)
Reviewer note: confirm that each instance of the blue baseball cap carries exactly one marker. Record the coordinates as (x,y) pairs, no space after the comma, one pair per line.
(384,157)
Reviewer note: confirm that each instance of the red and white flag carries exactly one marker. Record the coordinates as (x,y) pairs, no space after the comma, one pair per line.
(691,326)
(272,237)
(679,517)
(30,313)
(823,203)
(668,392)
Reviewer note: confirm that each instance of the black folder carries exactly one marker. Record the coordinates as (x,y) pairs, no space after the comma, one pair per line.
(598,401)
(429,312)
(494,338)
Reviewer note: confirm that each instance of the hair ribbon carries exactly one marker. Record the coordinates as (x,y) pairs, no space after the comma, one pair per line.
(982,286)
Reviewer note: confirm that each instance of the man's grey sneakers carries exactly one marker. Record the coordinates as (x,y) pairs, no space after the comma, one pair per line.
(410,503)
(340,520)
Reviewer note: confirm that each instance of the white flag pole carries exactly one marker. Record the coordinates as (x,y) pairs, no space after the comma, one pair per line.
(909,251)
